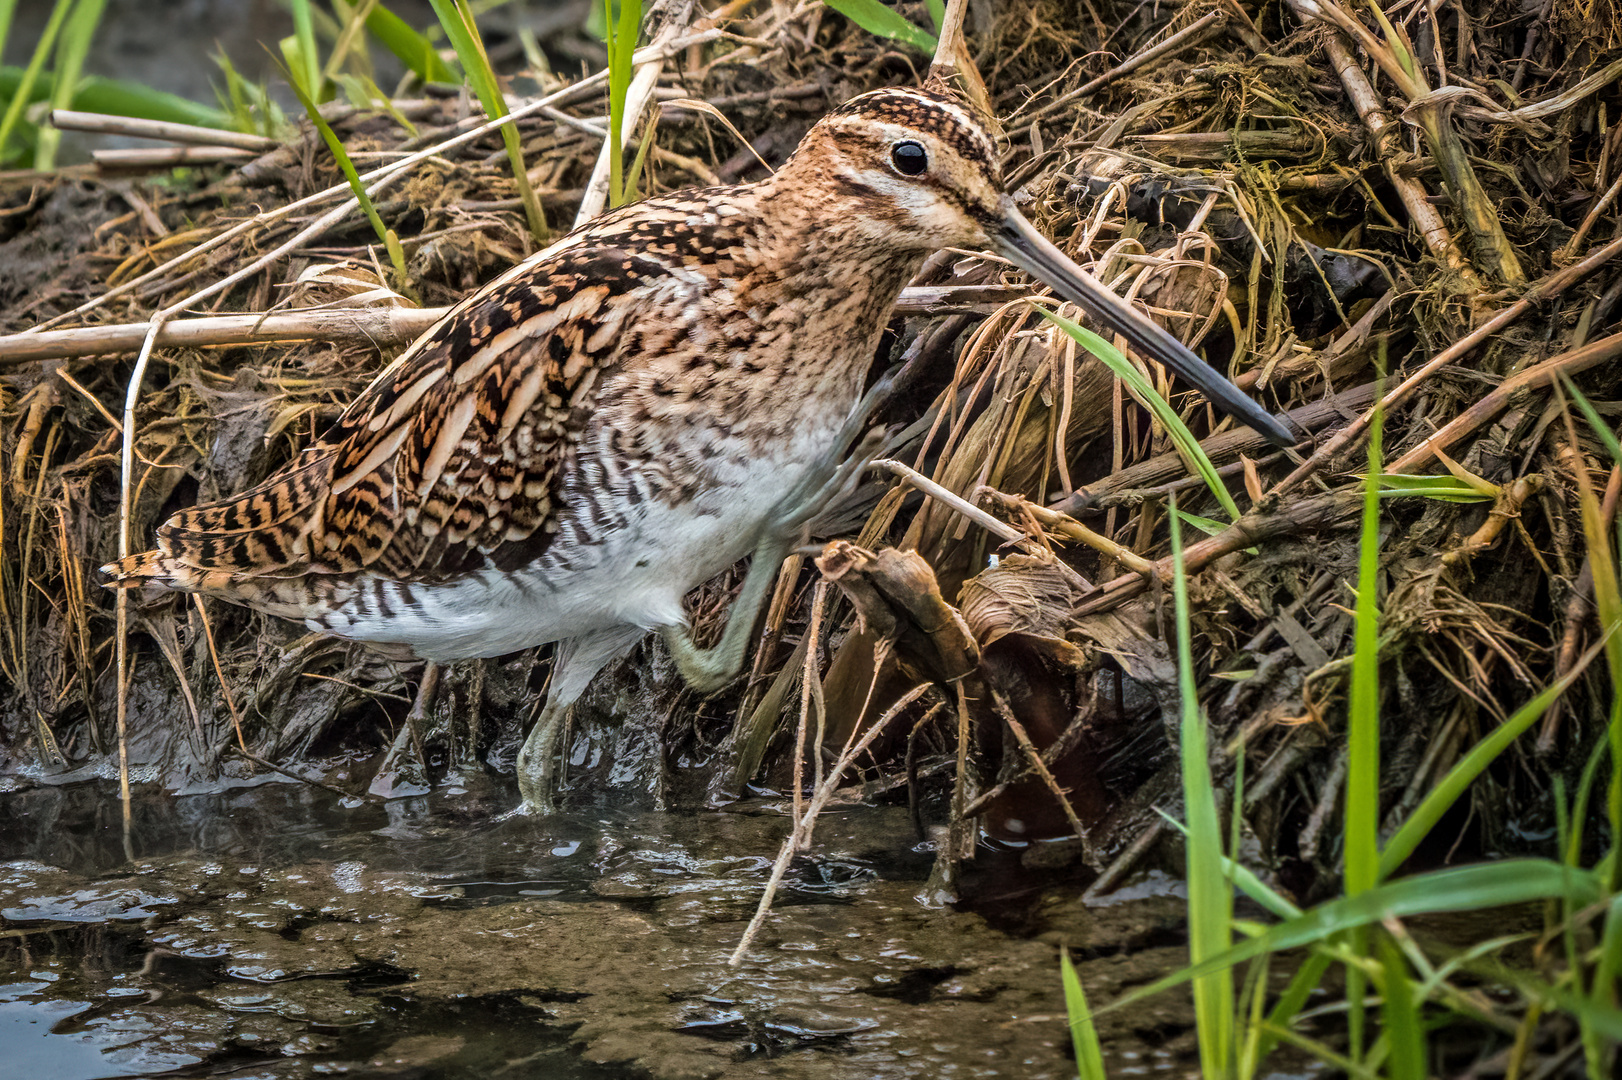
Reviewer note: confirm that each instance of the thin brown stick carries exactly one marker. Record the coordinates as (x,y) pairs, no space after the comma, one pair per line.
(103,124)
(1549,287)
(800,835)
(954,502)
(1068,527)
(1041,769)
(167,157)
(382,327)
(1535,377)
(812,635)
(219,672)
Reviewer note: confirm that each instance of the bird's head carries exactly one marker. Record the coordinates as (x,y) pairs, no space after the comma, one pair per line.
(918,171)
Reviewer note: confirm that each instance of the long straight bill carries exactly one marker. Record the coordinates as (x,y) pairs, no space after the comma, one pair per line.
(1021,244)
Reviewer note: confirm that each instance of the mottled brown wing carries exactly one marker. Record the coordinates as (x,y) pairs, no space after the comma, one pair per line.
(452,456)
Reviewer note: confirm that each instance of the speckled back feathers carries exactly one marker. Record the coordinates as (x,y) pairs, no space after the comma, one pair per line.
(641,358)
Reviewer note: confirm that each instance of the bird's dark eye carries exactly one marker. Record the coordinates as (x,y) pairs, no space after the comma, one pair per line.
(910,158)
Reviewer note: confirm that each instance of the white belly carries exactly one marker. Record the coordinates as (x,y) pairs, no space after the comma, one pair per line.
(634,575)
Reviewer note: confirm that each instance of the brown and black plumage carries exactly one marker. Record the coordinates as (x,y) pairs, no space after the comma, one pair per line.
(620,417)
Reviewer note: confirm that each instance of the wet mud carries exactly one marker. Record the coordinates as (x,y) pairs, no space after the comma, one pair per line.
(280,931)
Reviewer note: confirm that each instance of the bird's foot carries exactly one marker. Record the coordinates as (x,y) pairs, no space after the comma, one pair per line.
(536,763)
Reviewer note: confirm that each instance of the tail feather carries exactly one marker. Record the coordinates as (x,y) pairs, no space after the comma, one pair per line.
(150,572)
(249,549)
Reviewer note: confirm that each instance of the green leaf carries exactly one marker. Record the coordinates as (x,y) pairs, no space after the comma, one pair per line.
(1595,420)
(1362,852)
(1206,525)
(1117,362)
(309,74)
(1465,888)
(1441,488)
(70,55)
(457,20)
(1210,894)
(338,152)
(23,95)
(1083,1036)
(885,22)
(1404,1035)
(414,50)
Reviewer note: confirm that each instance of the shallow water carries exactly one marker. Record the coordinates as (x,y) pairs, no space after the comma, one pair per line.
(280,931)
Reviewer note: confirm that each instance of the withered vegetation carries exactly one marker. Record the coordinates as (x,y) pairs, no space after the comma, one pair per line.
(1268,190)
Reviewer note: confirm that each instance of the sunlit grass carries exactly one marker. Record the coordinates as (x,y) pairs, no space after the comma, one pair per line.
(1210,893)
(882,21)
(1083,1036)
(70,55)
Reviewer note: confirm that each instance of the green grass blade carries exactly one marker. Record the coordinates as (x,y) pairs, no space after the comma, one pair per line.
(885,22)
(1362,855)
(308,69)
(1361,842)
(1595,420)
(1117,362)
(1604,986)
(620,38)
(1246,881)
(1608,601)
(386,237)
(1443,488)
(457,19)
(1463,888)
(414,50)
(1083,1035)
(8,8)
(1210,895)
(1294,998)
(1602,558)
(1400,1015)
(120,98)
(70,55)
(23,94)
(1464,772)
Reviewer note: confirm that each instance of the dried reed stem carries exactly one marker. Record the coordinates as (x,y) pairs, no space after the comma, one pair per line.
(800,835)
(102,124)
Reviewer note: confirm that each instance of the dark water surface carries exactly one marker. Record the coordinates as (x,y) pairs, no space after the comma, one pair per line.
(282,931)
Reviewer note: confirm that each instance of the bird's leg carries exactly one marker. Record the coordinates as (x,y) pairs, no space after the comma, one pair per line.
(537,758)
(707,670)
(427,691)
(394,780)
(576,662)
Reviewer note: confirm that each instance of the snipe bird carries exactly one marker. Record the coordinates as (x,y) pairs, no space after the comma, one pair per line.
(667,389)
